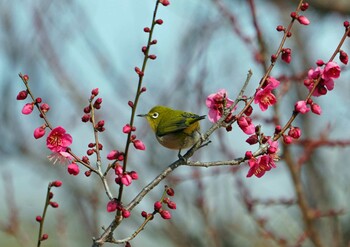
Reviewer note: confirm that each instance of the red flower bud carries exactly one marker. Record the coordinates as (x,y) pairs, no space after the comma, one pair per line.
(56,183)
(22,95)
(94,91)
(165,214)
(157,206)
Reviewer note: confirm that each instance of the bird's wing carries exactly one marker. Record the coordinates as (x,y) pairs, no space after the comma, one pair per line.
(172,125)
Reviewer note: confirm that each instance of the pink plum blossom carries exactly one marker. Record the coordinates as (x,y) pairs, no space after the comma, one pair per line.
(259,166)
(331,70)
(58,140)
(264,96)
(216,103)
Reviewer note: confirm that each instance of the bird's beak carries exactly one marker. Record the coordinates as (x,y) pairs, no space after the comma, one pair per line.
(142,115)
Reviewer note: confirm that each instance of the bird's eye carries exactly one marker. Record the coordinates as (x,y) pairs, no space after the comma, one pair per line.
(155,115)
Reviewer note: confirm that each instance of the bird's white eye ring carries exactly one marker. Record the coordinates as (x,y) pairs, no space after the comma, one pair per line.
(155,115)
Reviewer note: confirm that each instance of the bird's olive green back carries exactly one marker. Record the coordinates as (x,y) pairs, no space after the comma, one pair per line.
(175,120)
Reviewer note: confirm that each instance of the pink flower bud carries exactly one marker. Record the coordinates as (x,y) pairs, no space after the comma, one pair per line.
(126,213)
(343,56)
(127,129)
(287,139)
(73,169)
(112,155)
(171,204)
(287,55)
(315,108)
(159,21)
(54,204)
(157,206)
(56,183)
(111,206)
(118,169)
(253,139)
(152,56)
(39,132)
(301,107)
(139,145)
(245,123)
(280,28)
(164,2)
(85,118)
(304,6)
(45,107)
(126,179)
(165,214)
(44,236)
(294,132)
(28,108)
(248,155)
(94,91)
(303,20)
(320,62)
(170,191)
(133,175)
(273,148)
(38,218)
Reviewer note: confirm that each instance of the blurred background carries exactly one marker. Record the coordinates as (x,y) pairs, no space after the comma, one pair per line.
(70,47)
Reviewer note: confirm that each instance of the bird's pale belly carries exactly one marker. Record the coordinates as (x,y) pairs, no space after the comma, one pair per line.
(178,140)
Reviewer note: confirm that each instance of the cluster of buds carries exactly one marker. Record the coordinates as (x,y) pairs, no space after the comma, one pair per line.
(115,155)
(56,183)
(158,205)
(29,107)
(96,104)
(124,177)
(93,148)
(138,144)
(286,53)
(114,205)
